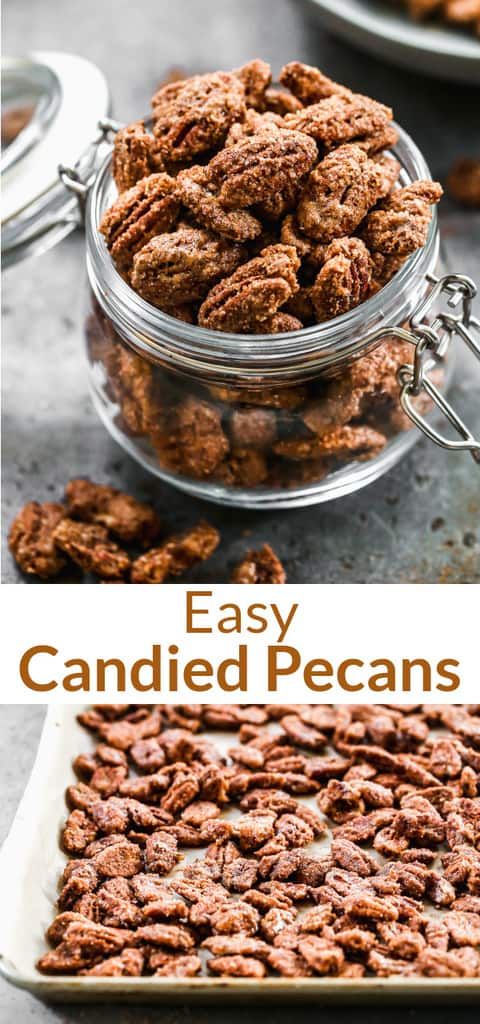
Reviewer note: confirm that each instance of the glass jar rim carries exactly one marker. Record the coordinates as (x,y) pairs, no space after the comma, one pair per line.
(189,347)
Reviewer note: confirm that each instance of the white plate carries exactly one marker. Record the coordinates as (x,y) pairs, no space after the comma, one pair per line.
(381,27)
(31,863)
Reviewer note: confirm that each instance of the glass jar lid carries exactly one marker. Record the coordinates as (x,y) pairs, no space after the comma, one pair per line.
(51,104)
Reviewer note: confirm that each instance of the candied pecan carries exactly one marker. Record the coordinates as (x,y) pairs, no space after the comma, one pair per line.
(129,964)
(280,101)
(252,427)
(253,829)
(261,168)
(463,182)
(130,520)
(261,566)
(31,541)
(161,853)
(344,442)
(88,545)
(183,789)
(177,966)
(176,555)
(194,191)
(122,860)
(309,84)
(79,831)
(350,857)
(180,266)
(172,936)
(346,117)
(80,879)
(323,956)
(235,918)
(193,116)
(236,945)
(302,734)
(255,78)
(147,209)
(199,436)
(344,280)
(341,190)
(253,293)
(370,908)
(400,225)
(237,966)
(134,156)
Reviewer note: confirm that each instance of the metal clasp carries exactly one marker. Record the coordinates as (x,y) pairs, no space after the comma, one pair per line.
(432,340)
(71,178)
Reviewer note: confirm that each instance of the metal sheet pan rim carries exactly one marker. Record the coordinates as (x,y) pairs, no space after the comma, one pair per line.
(16,858)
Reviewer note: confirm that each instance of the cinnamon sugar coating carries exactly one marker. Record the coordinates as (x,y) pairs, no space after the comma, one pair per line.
(309,84)
(344,280)
(128,519)
(194,191)
(139,214)
(89,546)
(255,170)
(261,566)
(400,225)
(134,156)
(176,555)
(253,293)
(340,192)
(192,116)
(181,266)
(342,118)
(31,539)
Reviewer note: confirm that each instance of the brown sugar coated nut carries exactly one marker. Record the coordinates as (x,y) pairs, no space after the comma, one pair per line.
(262,899)
(145,210)
(176,556)
(182,266)
(88,545)
(31,542)
(193,116)
(261,566)
(129,519)
(253,293)
(134,156)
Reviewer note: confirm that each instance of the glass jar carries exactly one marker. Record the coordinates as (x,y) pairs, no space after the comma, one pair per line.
(257,421)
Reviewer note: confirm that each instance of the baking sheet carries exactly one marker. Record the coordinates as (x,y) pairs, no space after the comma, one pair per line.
(31,862)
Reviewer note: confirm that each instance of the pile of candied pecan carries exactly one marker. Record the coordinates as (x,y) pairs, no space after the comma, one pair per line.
(259,209)
(463,13)
(320,840)
(46,539)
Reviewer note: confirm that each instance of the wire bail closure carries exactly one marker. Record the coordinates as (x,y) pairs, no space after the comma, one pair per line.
(432,341)
(71,178)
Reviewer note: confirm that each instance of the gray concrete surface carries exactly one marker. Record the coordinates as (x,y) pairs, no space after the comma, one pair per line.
(20,727)
(418,524)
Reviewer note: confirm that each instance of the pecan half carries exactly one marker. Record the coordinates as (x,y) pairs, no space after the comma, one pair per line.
(88,545)
(261,168)
(348,117)
(309,84)
(147,209)
(401,224)
(176,555)
(261,566)
(193,116)
(31,541)
(252,294)
(344,280)
(193,188)
(182,265)
(463,182)
(340,192)
(134,156)
(129,519)
(341,442)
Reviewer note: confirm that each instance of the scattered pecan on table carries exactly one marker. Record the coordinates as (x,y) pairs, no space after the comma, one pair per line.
(256,840)
(50,539)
